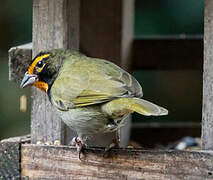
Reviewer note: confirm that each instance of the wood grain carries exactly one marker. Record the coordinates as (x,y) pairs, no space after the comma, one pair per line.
(10,157)
(19,60)
(207,119)
(49,162)
(106,30)
(55,25)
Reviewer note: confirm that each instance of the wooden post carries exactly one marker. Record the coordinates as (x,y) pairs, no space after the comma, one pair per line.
(55,25)
(106,31)
(207,119)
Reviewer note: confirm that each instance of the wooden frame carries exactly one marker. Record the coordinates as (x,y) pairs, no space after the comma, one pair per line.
(19,159)
(30,161)
(207,119)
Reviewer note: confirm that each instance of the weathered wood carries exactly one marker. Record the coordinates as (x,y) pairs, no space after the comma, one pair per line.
(48,162)
(127,29)
(207,119)
(106,29)
(19,60)
(55,25)
(10,157)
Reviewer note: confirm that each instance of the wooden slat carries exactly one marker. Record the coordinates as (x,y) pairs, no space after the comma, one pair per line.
(10,156)
(55,25)
(167,53)
(48,162)
(207,119)
(106,31)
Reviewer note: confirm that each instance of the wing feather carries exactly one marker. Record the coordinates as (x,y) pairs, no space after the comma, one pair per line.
(90,81)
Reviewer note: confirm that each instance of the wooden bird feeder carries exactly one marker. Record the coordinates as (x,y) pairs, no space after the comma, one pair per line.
(64,24)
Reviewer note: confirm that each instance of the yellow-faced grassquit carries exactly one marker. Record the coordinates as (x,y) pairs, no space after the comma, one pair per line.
(91,95)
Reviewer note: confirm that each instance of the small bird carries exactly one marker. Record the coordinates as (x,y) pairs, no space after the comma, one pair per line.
(91,95)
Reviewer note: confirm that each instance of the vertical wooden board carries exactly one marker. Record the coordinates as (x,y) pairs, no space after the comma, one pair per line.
(106,31)
(207,119)
(100,29)
(55,25)
(127,31)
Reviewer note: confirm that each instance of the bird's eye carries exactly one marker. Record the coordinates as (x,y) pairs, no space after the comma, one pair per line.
(40,64)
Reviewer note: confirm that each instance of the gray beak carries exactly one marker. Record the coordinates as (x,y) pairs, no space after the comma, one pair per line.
(28,80)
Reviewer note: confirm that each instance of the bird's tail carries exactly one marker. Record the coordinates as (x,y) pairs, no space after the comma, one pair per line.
(141,106)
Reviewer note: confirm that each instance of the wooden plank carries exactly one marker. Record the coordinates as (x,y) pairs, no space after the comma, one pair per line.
(19,60)
(106,31)
(10,157)
(207,119)
(55,25)
(49,162)
(127,31)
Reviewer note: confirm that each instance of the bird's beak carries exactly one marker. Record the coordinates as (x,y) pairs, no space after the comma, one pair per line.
(28,80)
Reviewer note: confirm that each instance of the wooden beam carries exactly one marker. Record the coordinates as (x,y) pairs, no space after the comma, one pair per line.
(170,54)
(55,25)
(106,31)
(49,162)
(207,119)
(10,157)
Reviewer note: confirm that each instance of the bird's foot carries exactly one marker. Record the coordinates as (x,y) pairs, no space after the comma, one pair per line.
(114,144)
(79,144)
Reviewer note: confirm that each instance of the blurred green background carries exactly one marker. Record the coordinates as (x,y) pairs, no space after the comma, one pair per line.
(15,29)
(162,17)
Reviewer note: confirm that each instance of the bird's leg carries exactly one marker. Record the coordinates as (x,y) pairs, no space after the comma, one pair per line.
(79,144)
(114,144)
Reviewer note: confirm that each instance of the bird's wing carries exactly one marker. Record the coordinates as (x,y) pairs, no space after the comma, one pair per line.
(91,81)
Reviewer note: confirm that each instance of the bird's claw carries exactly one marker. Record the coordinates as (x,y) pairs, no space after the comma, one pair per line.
(114,144)
(78,143)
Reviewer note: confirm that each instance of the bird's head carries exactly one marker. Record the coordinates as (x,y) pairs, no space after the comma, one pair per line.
(44,69)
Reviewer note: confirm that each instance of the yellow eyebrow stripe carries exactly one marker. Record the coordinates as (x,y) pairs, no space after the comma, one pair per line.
(32,66)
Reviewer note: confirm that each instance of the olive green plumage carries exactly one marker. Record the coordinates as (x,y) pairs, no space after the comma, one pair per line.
(92,95)
(90,92)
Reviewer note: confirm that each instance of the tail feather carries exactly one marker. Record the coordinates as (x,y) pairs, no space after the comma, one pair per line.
(141,106)
(147,108)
